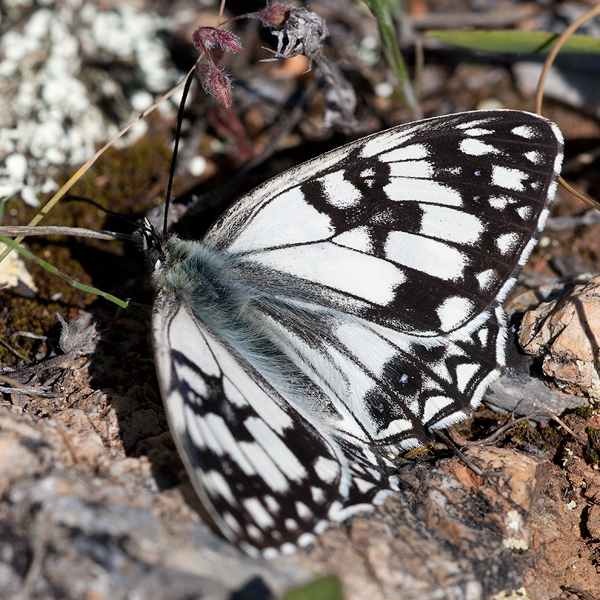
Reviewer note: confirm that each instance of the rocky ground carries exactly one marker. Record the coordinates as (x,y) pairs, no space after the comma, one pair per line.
(94,501)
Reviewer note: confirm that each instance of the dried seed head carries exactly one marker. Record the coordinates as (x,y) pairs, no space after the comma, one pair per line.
(203,38)
(303,33)
(214,41)
(274,14)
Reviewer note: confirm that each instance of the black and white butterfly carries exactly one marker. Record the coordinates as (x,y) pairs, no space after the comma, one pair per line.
(336,314)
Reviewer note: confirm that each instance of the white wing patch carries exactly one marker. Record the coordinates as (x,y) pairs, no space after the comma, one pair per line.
(411,168)
(328,470)
(477,131)
(354,273)
(338,191)
(273,227)
(433,406)
(534,156)
(499,202)
(450,225)
(411,153)
(477,147)
(357,239)
(453,311)
(506,242)
(525,131)
(430,256)
(511,179)
(267,438)
(422,190)
(486,278)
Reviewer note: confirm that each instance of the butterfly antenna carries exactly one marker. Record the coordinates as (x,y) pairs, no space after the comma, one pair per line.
(107,211)
(186,90)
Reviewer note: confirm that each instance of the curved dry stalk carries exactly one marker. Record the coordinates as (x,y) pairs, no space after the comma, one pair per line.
(560,42)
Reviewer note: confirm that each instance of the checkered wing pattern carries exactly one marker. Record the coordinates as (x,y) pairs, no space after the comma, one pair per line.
(336,314)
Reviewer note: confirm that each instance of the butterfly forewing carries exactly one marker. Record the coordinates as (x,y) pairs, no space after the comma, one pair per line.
(338,312)
(418,228)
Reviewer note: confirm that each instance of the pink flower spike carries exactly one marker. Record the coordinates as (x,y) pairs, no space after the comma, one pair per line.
(208,37)
(203,38)
(217,84)
(227,40)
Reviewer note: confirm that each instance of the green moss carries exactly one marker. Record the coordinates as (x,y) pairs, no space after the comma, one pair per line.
(594,438)
(594,457)
(585,411)
(128,181)
(522,432)
(421,450)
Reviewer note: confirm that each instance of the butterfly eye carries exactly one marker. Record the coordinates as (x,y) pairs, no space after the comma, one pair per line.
(153,256)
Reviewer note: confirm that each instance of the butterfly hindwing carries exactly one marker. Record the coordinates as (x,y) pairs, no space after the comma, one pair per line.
(267,478)
(384,388)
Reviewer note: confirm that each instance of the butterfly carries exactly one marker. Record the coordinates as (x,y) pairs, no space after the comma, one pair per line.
(341,311)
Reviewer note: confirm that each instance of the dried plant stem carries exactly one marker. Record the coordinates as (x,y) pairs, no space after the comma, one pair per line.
(560,42)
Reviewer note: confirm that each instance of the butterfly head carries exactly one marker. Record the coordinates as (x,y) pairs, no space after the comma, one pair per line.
(151,243)
(174,264)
